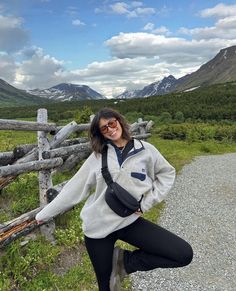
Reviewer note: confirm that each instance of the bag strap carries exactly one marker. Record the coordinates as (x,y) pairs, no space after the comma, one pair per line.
(105,172)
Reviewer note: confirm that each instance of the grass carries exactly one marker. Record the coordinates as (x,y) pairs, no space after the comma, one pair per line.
(10,139)
(32,266)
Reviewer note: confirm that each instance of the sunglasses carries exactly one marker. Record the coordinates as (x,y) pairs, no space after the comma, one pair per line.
(111,124)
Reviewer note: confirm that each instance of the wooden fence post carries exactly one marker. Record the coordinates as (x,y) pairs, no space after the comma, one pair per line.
(141,126)
(44,176)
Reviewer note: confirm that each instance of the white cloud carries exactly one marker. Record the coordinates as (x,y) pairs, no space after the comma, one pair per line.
(159,30)
(137,4)
(120,8)
(40,71)
(124,73)
(149,26)
(78,22)
(12,36)
(169,49)
(7,67)
(109,78)
(134,9)
(223,28)
(145,11)
(220,10)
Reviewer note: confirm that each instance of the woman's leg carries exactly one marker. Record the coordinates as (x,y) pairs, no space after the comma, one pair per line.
(157,247)
(100,252)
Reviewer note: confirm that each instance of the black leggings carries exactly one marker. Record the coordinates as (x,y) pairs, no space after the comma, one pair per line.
(157,248)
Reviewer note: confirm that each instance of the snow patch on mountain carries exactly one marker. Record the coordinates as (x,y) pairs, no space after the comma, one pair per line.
(68,92)
(157,88)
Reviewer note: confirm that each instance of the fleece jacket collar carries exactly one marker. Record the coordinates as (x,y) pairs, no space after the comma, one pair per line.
(138,147)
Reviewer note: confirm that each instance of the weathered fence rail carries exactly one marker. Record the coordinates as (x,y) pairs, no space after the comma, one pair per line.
(46,157)
(8,124)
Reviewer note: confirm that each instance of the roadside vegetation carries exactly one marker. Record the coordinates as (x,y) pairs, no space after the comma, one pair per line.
(31,263)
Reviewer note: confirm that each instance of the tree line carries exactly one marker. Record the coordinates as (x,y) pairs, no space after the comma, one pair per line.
(216,102)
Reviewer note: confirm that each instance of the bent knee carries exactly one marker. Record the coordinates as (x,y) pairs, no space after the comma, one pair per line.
(187,256)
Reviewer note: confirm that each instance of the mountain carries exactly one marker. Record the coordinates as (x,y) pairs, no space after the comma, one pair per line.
(68,92)
(157,88)
(11,96)
(221,69)
(129,94)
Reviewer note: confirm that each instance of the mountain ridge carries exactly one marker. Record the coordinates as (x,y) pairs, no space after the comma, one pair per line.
(11,96)
(68,92)
(220,69)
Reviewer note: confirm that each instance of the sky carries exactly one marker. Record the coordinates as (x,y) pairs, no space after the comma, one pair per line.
(109,45)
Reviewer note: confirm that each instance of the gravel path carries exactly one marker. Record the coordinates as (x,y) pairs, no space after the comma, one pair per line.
(201,208)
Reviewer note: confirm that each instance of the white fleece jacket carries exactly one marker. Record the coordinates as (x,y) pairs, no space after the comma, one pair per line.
(144,172)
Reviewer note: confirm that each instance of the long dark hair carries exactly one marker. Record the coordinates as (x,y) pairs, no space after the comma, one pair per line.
(96,138)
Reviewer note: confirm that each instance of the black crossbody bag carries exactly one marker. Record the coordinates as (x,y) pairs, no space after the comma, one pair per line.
(117,198)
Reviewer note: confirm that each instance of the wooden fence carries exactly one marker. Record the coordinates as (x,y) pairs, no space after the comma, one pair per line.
(53,153)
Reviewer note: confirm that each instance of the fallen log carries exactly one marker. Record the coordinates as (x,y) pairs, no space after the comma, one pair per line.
(7,124)
(142,136)
(18,227)
(66,151)
(29,167)
(79,127)
(134,127)
(69,142)
(6,158)
(16,221)
(22,150)
(72,161)
(149,125)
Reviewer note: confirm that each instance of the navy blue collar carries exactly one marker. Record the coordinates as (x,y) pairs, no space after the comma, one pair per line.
(131,153)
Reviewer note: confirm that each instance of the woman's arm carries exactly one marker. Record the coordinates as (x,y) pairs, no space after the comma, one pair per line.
(75,190)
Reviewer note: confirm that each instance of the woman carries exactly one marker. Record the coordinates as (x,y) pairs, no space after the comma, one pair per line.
(148,177)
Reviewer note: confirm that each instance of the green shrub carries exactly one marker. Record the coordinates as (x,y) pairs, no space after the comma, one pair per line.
(179,117)
(165,117)
(83,115)
(133,116)
(198,131)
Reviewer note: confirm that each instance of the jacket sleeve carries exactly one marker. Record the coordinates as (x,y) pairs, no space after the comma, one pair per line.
(164,177)
(75,190)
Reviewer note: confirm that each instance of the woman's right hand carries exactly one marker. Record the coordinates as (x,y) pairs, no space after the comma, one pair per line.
(39,221)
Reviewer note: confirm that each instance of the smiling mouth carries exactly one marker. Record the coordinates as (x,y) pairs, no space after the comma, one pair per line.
(113,133)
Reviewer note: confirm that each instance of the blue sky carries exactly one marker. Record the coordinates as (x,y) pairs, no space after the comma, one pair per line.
(109,45)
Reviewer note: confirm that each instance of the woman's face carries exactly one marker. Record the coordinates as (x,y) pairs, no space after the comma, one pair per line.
(111,129)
